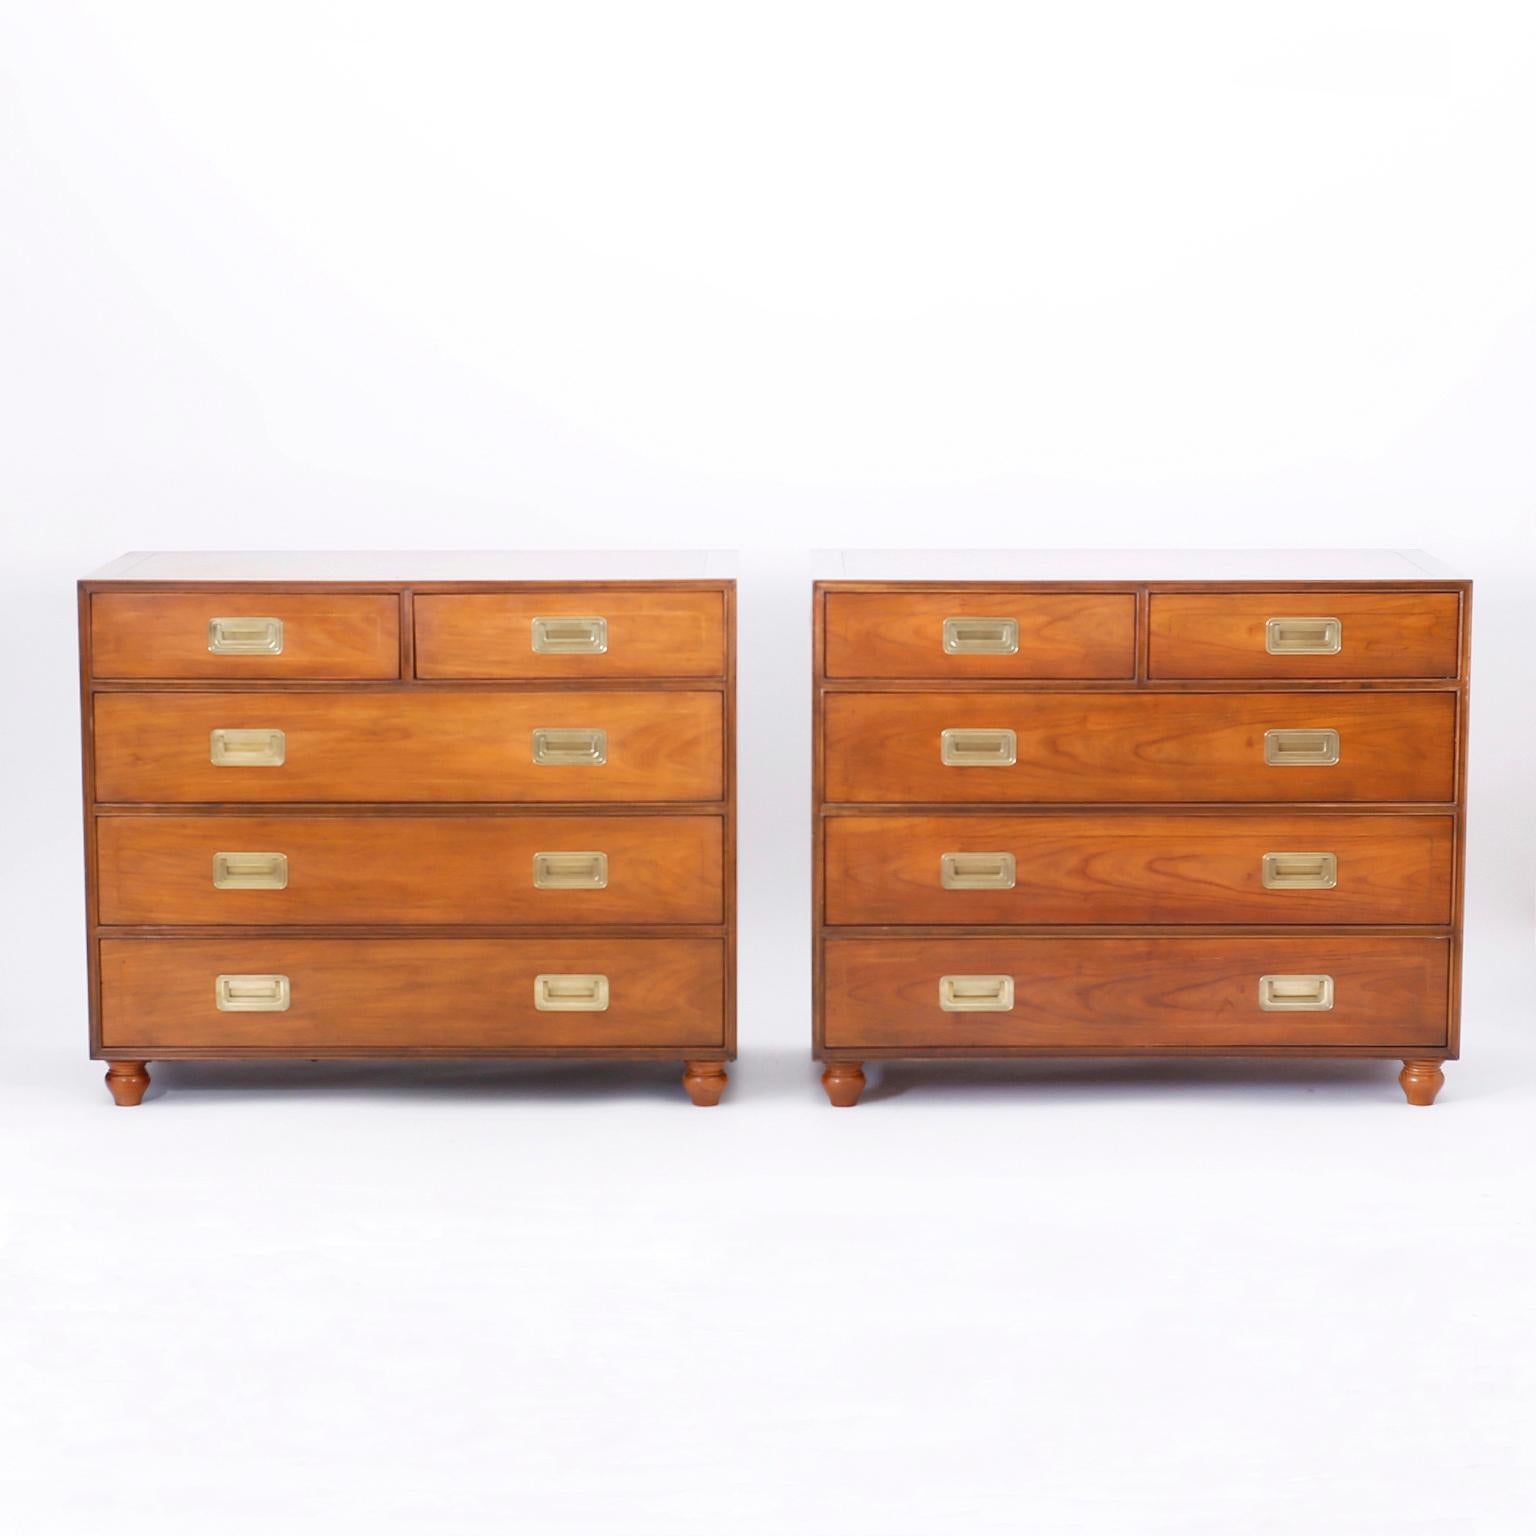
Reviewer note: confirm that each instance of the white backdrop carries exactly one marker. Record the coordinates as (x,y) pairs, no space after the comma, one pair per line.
(774,277)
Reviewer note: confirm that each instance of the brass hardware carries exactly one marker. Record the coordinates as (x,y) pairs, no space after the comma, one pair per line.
(978,749)
(976,994)
(1299,871)
(570,871)
(977,872)
(251,994)
(1303,637)
(245,637)
(966,636)
(1301,749)
(570,994)
(568,635)
(558,747)
(250,871)
(247,749)
(1295,994)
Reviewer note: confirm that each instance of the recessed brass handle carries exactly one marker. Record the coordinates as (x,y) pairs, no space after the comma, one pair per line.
(965,636)
(570,635)
(977,872)
(1295,994)
(976,994)
(250,871)
(252,994)
(1299,871)
(1303,637)
(559,747)
(570,994)
(245,637)
(247,749)
(978,749)
(1301,749)
(570,871)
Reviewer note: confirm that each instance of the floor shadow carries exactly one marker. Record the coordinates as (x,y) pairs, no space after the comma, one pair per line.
(1083,1079)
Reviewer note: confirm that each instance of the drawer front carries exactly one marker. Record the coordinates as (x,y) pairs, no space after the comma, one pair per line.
(1304,634)
(421,745)
(1126,748)
(242,633)
(980,634)
(570,634)
(410,869)
(1091,869)
(410,995)
(1107,994)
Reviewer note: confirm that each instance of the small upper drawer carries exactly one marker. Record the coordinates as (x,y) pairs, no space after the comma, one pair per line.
(570,634)
(242,633)
(981,634)
(1304,634)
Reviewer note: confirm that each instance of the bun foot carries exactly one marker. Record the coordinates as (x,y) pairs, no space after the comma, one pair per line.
(705,1081)
(1421,1081)
(844,1082)
(126,1081)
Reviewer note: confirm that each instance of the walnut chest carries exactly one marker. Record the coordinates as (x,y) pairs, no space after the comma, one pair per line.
(1202,805)
(409,806)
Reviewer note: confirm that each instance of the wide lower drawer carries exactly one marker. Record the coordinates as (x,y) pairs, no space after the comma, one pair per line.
(1089,869)
(361,869)
(1104,994)
(410,994)
(245,634)
(570,634)
(1304,634)
(418,745)
(1131,747)
(981,634)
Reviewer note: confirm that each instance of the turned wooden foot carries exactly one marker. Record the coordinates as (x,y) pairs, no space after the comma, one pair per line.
(1421,1081)
(844,1082)
(127,1080)
(705,1081)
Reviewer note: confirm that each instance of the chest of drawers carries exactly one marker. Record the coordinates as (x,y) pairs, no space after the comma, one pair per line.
(409,806)
(1151,814)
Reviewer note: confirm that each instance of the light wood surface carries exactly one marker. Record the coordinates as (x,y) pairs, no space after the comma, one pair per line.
(1102,994)
(1135,747)
(649,634)
(165,635)
(1136,868)
(410,995)
(409,745)
(391,870)
(1071,635)
(1383,634)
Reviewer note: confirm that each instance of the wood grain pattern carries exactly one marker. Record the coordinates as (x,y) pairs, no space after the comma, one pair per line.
(1099,994)
(165,634)
(1061,635)
(392,870)
(1139,747)
(409,746)
(1385,634)
(438,994)
(1088,868)
(650,634)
